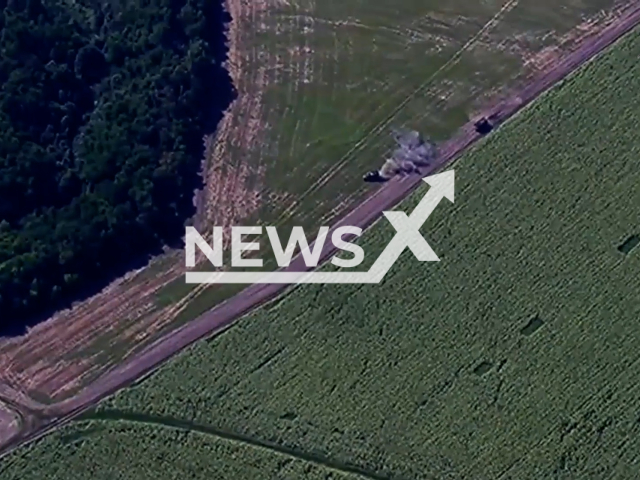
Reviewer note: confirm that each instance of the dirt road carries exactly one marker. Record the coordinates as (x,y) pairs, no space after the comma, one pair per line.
(386,197)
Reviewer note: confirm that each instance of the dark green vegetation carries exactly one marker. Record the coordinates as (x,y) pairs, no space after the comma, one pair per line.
(103,108)
(515,357)
(140,451)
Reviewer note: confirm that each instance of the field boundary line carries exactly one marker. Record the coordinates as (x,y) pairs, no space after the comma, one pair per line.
(228,435)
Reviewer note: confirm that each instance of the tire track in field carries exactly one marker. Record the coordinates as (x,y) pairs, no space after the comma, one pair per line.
(376,129)
(175,423)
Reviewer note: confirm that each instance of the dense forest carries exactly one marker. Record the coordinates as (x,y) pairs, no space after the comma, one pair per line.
(103,109)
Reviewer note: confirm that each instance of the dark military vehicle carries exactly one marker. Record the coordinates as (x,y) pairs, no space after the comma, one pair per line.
(374,177)
(483,126)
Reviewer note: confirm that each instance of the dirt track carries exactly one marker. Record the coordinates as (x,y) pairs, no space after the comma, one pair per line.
(386,197)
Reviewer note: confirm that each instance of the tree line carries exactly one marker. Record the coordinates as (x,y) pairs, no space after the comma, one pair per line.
(103,108)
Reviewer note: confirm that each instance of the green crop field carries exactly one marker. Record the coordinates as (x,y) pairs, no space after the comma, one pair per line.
(144,452)
(515,357)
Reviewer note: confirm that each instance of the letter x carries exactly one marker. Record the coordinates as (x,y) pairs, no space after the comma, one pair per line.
(408,236)
(408,232)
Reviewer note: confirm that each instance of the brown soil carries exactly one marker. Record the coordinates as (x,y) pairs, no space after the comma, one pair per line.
(364,215)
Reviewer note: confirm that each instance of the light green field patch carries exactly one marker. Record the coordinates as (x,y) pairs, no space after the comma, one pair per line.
(341,72)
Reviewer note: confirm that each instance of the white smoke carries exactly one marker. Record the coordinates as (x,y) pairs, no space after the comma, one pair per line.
(412,152)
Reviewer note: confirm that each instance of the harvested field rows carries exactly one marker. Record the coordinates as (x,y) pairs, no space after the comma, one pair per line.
(512,358)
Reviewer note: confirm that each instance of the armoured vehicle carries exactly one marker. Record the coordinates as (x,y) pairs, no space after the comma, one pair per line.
(483,126)
(373,177)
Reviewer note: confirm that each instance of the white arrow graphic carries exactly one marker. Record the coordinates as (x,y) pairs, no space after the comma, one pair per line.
(407,236)
(408,228)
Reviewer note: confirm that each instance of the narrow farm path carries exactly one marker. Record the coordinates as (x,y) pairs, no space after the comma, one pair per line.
(176,423)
